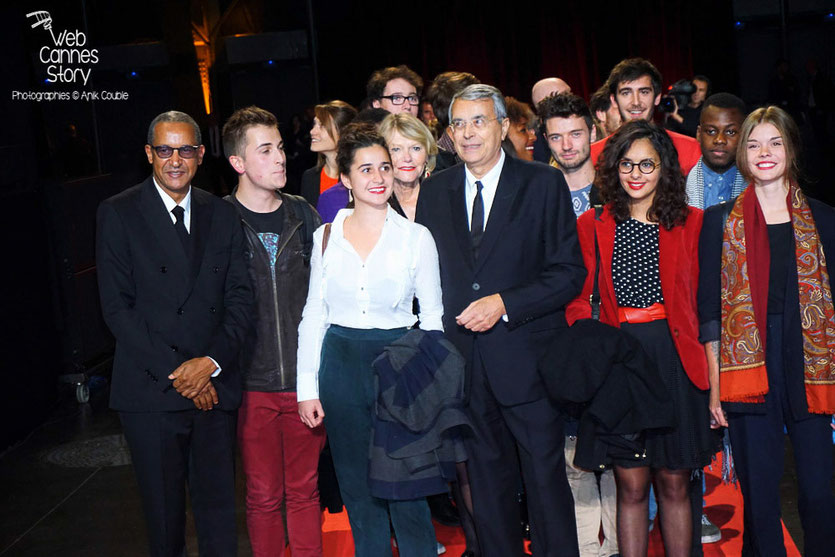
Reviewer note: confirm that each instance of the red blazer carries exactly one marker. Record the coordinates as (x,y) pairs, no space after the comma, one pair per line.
(688,149)
(679,271)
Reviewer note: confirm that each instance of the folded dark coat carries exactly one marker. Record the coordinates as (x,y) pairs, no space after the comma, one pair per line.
(419,417)
(604,377)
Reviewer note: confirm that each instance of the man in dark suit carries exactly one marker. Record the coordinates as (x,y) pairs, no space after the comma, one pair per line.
(176,295)
(510,261)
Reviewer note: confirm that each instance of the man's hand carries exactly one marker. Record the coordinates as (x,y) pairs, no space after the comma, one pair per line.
(482,314)
(674,114)
(192,376)
(311,412)
(207,398)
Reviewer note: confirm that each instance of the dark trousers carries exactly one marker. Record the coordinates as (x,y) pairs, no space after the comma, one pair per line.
(535,430)
(172,449)
(346,390)
(757,441)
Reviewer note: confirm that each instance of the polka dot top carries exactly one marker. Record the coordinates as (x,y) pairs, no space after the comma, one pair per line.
(635,265)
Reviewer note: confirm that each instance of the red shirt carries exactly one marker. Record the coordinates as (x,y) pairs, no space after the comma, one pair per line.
(325,181)
(688,150)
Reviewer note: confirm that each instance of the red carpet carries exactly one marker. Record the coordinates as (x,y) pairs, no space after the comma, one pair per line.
(724,508)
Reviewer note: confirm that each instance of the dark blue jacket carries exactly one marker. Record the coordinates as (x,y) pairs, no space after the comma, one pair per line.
(419,417)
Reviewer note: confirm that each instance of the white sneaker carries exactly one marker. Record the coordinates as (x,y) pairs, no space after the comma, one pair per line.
(710,532)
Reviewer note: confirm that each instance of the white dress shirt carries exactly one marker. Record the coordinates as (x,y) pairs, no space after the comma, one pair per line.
(373,294)
(186,205)
(170,204)
(489,182)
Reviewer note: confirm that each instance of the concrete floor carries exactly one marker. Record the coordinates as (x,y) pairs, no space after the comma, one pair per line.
(67,490)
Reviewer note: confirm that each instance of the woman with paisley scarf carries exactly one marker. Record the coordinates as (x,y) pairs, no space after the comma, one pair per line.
(765,307)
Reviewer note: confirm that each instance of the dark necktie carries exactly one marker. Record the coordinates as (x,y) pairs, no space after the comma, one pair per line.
(477,222)
(180,227)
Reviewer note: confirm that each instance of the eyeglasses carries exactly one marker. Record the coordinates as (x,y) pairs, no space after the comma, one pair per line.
(398,99)
(479,122)
(646,166)
(185,151)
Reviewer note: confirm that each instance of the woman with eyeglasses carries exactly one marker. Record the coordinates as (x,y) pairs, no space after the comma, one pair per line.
(366,269)
(330,118)
(413,151)
(648,242)
(765,305)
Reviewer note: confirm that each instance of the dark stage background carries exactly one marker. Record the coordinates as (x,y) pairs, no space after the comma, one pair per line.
(286,56)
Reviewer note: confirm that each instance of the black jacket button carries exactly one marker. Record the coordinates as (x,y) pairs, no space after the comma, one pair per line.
(179,311)
(163,269)
(216,269)
(212,309)
(174,348)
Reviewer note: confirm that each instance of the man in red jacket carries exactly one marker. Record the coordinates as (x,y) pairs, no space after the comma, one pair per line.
(635,88)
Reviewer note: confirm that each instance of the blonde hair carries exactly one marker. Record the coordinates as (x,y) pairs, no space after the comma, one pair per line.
(411,128)
(785,124)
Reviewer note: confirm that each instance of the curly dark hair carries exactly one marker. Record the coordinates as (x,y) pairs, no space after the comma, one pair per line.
(356,136)
(563,105)
(669,207)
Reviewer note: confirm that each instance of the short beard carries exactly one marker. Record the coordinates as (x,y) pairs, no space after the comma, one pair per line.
(719,169)
(575,166)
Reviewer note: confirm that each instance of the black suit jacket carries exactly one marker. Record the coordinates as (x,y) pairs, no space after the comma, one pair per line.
(164,309)
(310,184)
(529,254)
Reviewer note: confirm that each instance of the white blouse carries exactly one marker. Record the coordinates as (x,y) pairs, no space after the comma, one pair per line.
(375,294)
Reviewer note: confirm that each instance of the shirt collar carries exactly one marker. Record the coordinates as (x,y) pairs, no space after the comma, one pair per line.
(491,179)
(169,202)
(393,218)
(728,175)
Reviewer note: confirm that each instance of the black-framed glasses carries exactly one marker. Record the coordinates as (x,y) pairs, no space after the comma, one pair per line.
(399,99)
(646,166)
(185,151)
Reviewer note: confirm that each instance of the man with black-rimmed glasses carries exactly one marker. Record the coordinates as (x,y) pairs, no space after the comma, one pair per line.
(395,89)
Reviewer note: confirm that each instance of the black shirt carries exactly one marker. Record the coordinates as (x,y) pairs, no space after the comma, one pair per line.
(781,244)
(265,222)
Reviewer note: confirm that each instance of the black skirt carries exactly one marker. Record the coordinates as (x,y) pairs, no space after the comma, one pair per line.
(690,443)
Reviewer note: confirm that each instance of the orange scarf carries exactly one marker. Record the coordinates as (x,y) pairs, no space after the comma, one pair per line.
(745,264)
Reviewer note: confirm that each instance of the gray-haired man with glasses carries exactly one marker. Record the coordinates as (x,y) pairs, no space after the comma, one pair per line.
(510,261)
(395,89)
(176,295)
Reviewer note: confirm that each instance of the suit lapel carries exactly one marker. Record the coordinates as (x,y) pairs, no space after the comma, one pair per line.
(459,220)
(162,227)
(499,211)
(201,227)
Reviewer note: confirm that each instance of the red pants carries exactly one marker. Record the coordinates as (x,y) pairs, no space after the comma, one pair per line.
(280,459)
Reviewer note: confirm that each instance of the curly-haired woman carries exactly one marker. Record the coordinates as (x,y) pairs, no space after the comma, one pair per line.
(648,276)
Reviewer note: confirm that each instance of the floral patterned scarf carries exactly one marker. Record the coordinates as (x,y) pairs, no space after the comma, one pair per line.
(745,264)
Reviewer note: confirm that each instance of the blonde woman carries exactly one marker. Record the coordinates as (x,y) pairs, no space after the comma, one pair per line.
(413,151)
